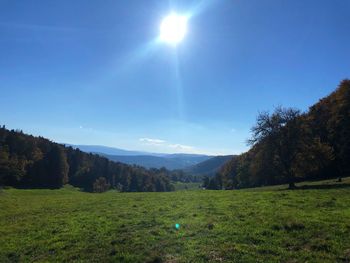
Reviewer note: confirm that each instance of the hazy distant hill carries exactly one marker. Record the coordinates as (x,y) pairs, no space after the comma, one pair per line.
(209,167)
(146,159)
(108,150)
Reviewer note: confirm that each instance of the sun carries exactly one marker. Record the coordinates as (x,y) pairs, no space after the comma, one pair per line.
(173,29)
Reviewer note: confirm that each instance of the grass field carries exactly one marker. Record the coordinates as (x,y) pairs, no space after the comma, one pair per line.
(256,225)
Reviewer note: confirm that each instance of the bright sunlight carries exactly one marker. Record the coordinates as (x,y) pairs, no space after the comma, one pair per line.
(173,28)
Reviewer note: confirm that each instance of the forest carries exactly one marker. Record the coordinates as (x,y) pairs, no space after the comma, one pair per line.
(290,146)
(35,162)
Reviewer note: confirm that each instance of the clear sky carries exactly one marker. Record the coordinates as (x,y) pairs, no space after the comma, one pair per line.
(92,72)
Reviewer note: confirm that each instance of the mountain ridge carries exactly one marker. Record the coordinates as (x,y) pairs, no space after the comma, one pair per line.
(209,167)
(172,161)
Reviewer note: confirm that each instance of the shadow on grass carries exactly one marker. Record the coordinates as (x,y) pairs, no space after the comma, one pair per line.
(320,186)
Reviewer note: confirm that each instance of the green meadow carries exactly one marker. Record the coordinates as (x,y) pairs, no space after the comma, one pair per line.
(311,224)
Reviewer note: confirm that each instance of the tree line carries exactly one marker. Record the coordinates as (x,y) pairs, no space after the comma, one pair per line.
(288,145)
(28,161)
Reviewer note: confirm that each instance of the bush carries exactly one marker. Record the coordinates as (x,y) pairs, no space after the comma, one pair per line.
(101,185)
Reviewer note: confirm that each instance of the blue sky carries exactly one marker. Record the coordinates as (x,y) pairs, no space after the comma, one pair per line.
(92,72)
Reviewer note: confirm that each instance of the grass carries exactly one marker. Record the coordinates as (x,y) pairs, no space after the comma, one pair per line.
(187,186)
(256,225)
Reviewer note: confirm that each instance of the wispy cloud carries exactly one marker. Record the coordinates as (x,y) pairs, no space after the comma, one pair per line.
(152,141)
(167,146)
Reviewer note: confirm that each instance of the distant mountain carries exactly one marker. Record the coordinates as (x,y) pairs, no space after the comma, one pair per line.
(170,162)
(210,166)
(109,150)
(145,159)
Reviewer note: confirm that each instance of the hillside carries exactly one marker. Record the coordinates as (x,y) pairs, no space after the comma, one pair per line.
(208,167)
(289,145)
(27,161)
(255,225)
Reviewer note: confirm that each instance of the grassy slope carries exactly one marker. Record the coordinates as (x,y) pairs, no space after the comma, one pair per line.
(259,225)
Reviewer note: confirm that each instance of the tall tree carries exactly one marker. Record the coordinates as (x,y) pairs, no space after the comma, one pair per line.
(57,167)
(282,130)
(287,137)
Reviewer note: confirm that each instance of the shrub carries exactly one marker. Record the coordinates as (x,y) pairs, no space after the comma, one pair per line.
(101,185)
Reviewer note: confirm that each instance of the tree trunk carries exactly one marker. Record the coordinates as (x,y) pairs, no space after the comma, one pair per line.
(340,173)
(291,179)
(292,185)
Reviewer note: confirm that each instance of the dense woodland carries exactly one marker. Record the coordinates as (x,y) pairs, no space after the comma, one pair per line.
(28,161)
(288,146)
